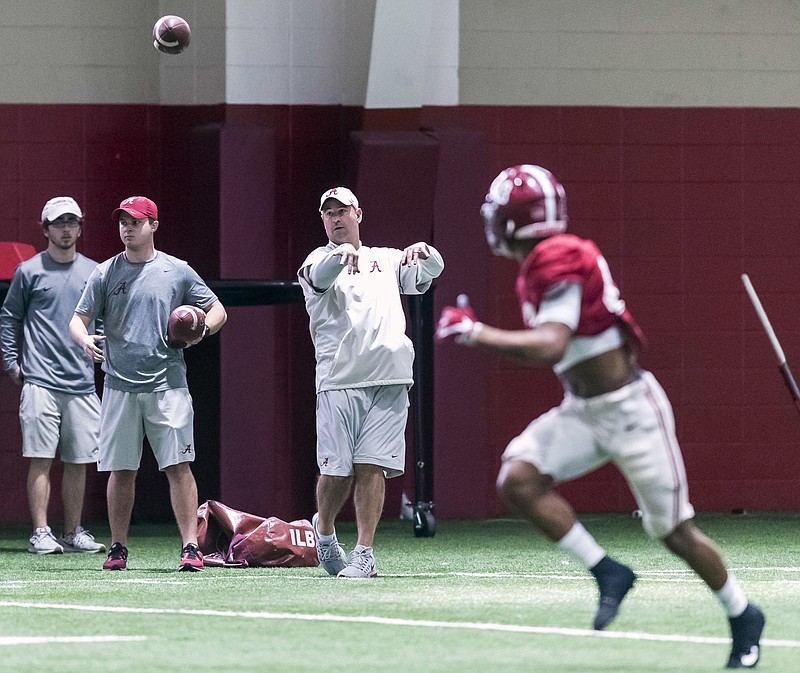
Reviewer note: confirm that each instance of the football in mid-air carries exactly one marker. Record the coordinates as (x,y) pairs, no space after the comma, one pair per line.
(171,34)
(186,325)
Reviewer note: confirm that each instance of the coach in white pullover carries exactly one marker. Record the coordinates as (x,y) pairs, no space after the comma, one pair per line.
(364,370)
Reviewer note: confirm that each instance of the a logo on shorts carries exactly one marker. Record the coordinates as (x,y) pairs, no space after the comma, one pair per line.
(188,449)
(325,463)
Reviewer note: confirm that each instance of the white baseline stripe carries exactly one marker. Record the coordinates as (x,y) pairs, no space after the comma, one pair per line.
(663,575)
(46,640)
(392,621)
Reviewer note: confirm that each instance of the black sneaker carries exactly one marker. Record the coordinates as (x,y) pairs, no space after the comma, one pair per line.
(117,558)
(615,581)
(746,633)
(191,559)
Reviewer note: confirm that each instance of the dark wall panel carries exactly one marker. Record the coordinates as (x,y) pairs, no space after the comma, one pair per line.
(682,201)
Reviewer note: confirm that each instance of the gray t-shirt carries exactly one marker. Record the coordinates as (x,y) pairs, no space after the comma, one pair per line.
(35,319)
(134,300)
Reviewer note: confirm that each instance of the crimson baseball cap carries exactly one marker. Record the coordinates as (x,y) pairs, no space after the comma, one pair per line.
(342,195)
(58,206)
(137,207)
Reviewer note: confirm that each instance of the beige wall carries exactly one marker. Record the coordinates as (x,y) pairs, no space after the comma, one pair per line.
(282,52)
(630,52)
(406,53)
(101,51)
(298,52)
(372,53)
(197,76)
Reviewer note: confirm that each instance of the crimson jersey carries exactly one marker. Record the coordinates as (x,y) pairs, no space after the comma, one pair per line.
(566,258)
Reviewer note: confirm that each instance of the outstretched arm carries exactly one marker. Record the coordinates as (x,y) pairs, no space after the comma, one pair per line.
(321,275)
(544,344)
(419,265)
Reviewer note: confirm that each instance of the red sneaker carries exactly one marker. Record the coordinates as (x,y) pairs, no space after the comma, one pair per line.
(117,558)
(191,558)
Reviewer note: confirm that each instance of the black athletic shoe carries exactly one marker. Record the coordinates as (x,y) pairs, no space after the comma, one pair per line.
(615,581)
(117,557)
(191,559)
(746,632)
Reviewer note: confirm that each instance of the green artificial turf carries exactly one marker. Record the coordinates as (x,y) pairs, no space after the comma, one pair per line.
(479,596)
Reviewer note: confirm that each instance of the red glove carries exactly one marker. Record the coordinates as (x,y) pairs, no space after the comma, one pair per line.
(458,320)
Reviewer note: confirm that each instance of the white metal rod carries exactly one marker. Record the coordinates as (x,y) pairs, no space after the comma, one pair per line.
(762,316)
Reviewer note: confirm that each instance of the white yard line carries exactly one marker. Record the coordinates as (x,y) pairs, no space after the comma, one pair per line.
(238,574)
(392,621)
(47,640)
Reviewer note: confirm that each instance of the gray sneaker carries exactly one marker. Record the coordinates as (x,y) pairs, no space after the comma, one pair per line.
(82,541)
(44,542)
(330,554)
(362,565)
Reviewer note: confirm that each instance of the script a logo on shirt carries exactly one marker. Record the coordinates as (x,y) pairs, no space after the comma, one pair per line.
(121,288)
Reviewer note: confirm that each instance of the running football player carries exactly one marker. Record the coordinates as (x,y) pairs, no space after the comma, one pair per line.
(612,410)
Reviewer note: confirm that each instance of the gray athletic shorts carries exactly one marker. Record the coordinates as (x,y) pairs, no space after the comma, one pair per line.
(364,426)
(52,420)
(165,417)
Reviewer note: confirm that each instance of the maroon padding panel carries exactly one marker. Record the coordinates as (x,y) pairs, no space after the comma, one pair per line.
(394,177)
(463,461)
(259,466)
(670,195)
(249,238)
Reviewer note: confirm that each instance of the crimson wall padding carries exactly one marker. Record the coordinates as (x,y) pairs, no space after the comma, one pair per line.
(463,460)
(682,201)
(394,177)
(262,470)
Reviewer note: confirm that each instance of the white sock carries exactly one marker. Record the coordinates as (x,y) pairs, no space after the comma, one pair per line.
(360,547)
(326,539)
(579,542)
(732,597)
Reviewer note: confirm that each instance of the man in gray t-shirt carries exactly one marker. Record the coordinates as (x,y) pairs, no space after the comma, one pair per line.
(145,392)
(59,410)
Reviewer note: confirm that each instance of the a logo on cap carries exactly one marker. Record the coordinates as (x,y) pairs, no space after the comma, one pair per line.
(342,194)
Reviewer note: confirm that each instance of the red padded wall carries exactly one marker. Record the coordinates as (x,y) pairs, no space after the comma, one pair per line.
(682,201)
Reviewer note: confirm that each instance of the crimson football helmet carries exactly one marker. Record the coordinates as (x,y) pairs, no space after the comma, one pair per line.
(524,202)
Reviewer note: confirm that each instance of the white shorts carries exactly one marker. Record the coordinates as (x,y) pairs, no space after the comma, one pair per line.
(52,420)
(363,426)
(632,427)
(166,418)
